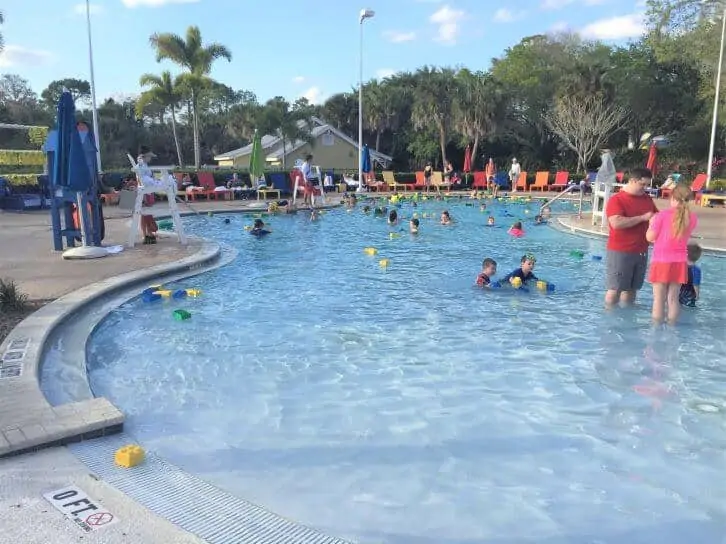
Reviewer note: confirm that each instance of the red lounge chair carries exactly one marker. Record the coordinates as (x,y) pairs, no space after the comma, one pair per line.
(480,180)
(697,187)
(562,178)
(420,180)
(206,181)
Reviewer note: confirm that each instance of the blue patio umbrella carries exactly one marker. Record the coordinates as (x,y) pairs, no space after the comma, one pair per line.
(365,160)
(70,168)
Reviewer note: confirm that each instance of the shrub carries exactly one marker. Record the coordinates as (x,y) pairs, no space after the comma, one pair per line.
(21,158)
(12,299)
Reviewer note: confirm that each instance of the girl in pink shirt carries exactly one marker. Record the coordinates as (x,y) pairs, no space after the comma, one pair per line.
(669,231)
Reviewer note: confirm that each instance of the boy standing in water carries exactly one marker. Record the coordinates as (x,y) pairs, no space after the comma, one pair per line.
(691,290)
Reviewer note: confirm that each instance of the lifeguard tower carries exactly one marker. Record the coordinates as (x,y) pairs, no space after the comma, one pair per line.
(603,188)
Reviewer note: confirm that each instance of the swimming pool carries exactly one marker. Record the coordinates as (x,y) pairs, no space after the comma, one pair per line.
(402,405)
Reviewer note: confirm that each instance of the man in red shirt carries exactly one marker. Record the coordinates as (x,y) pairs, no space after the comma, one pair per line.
(628,213)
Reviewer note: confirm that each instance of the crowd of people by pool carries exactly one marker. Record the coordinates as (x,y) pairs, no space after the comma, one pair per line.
(634,223)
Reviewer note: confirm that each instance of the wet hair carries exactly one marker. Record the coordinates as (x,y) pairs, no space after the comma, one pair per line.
(528,257)
(488,262)
(641,173)
(259,223)
(393,216)
(446,213)
(415,222)
(517,225)
(681,219)
(694,252)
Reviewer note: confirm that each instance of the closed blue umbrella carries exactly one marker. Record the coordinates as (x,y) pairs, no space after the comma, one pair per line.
(70,169)
(365,160)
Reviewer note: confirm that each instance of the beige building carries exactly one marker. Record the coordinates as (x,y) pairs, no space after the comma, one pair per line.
(331,150)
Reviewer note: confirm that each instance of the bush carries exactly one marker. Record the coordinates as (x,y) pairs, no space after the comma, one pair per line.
(12,299)
(12,157)
(22,180)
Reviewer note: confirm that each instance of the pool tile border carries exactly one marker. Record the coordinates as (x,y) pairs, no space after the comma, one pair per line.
(27,420)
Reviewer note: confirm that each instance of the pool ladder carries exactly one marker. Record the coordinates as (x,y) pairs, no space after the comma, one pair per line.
(569,190)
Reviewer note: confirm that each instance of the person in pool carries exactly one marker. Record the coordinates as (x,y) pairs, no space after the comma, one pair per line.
(313,214)
(445,218)
(258,228)
(539,220)
(413,225)
(393,217)
(488,270)
(490,221)
(516,230)
(525,271)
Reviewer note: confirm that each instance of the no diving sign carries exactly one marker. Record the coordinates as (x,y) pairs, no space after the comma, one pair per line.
(75,504)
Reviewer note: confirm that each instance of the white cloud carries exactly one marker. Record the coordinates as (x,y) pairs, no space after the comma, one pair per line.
(154,3)
(447,20)
(504,15)
(17,55)
(399,37)
(560,26)
(383,73)
(561,4)
(80,9)
(298,79)
(314,95)
(615,28)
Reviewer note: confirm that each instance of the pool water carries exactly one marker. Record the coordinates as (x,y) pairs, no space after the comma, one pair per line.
(404,405)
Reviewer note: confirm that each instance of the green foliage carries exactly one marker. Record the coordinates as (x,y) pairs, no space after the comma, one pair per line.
(21,158)
(37,136)
(12,299)
(80,90)
(21,180)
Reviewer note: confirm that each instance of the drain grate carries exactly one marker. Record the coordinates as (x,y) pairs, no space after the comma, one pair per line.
(191,503)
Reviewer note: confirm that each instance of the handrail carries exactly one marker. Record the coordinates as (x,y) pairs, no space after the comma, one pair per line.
(563,193)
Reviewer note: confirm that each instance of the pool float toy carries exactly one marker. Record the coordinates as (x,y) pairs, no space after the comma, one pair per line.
(181,315)
(370,250)
(179,293)
(165,225)
(577,253)
(163,293)
(129,456)
(193,292)
(384,263)
(516,283)
(150,297)
(545,286)
(393,235)
(597,257)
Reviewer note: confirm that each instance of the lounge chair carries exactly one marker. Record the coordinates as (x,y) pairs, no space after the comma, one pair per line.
(390,179)
(480,181)
(541,181)
(521,183)
(562,180)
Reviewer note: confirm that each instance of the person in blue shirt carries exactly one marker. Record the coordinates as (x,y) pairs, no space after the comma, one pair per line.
(690,291)
(525,270)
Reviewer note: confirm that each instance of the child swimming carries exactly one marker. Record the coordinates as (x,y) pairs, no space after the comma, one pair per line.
(393,217)
(488,269)
(445,218)
(413,225)
(525,271)
(258,228)
(691,290)
(516,230)
(490,221)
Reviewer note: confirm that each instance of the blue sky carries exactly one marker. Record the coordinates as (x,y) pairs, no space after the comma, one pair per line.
(290,47)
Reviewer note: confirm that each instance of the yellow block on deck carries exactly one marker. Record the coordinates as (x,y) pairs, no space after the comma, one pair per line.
(193,292)
(129,456)
(163,292)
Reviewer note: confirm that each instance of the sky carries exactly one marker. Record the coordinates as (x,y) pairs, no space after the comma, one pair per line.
(290,48)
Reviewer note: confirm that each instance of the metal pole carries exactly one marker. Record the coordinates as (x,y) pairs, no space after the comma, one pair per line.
(93,88)
(360,109)
(709,170)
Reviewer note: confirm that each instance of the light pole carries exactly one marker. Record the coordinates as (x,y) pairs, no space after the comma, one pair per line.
(364,14)
(709,168)
(93,88)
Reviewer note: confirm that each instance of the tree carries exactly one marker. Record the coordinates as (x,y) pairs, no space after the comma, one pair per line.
(480,107)
(191,54)
(164,92)
(80,90)
(2,38)
(14,88)
(291,123)
(341,111)
(434,102)
(585,124)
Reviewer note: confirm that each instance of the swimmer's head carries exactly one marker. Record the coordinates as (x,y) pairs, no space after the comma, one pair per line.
(490,221)
(517,225)
(393,216)
(259,223)
(537,218)
(527,262)
(694,252)
(226,220)
(366,209)
(445,215)
(489,267)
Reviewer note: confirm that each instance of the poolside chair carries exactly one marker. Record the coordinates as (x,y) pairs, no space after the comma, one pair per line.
(437,180)
(562,180)
(420,180)
(521,183)
(390,179)
(143,190)
(541,181)
(480,181)
(696,186)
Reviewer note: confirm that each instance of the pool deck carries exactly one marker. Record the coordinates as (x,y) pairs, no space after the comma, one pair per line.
(710,234)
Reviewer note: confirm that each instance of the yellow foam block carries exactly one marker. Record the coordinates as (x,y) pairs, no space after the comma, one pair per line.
(193,292)
(129,456)
(384,263)
(370,251)
(163,292)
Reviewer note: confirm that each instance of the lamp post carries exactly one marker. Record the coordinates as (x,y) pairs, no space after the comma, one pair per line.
(93,88)
(364,14)
(709,168)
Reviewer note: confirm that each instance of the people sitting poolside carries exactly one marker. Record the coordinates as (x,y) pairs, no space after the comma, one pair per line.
(488,270)
(516,230)
(524,272)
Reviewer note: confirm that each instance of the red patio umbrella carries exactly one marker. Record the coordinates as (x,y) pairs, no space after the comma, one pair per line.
(652,163)
(467,163)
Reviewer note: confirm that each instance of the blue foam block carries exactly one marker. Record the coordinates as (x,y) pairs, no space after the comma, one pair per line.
(150,297)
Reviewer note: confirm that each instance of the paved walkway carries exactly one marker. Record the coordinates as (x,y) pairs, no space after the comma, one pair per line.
(710,234)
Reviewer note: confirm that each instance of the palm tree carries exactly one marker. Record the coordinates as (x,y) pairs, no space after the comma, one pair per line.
(480,107)
(289,123)
(195,57)
(163,91)
(435,93)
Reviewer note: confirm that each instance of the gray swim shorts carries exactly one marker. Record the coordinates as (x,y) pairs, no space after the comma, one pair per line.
(625,271)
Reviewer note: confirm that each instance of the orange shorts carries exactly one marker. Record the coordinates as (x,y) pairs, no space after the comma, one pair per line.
(668,273)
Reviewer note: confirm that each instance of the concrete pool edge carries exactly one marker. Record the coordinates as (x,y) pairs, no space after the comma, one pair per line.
(28,421)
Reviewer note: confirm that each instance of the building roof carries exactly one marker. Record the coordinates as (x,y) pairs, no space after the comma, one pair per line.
(273,144)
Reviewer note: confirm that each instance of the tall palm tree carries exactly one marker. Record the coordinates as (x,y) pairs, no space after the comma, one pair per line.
(435,93)
(290,123)
(480,107)
(164,91)
(197,59)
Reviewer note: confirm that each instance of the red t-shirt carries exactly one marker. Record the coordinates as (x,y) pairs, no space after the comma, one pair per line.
(631,240)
